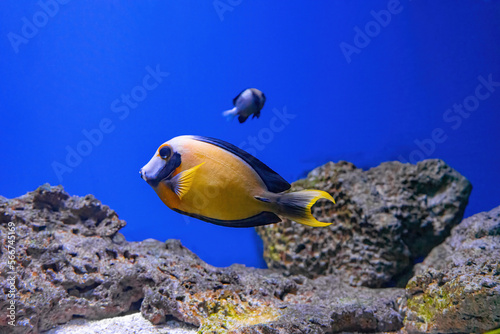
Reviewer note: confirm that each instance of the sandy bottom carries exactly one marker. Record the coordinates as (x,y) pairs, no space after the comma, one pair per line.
(129,324)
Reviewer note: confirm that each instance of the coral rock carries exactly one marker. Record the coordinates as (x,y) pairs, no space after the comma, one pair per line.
(73,263)
(457,288)
(383,220)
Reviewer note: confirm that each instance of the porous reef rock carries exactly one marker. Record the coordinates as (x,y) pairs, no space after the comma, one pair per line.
(71,262)
(457,287)
(383,220)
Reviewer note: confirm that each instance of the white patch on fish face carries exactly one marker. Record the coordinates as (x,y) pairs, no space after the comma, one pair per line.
(152,168)
(160,167)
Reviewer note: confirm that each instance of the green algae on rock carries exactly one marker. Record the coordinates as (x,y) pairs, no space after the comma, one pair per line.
(230,313)
(457,288)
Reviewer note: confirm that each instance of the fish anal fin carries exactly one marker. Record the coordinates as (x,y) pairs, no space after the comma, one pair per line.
(181,183)
(263,218)
(242,118)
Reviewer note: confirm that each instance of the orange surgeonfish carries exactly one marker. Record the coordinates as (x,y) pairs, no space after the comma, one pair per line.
(219,183)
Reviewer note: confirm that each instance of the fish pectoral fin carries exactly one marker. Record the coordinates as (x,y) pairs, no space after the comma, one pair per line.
(181,183)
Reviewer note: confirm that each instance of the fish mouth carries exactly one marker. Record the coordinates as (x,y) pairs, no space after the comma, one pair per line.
(143,175)
(153,173)
(155,179)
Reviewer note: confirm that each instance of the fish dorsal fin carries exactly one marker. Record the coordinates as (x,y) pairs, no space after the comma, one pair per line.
(272,180)
(181,183)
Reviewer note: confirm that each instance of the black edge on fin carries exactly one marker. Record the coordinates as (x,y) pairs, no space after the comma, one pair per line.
(236,98)
(263,218)
(273,181)
(242,118)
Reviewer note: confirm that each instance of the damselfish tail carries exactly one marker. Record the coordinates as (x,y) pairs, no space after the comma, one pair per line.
(230,114)
(297,206)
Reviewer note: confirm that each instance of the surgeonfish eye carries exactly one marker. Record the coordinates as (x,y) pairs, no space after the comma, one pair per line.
(165,152)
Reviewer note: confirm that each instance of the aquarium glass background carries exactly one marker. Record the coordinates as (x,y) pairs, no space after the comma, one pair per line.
(362,81)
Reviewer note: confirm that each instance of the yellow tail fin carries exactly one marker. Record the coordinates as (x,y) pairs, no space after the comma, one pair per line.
(297,206)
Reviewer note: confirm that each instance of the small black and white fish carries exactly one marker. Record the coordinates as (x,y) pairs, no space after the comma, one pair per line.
(248,102)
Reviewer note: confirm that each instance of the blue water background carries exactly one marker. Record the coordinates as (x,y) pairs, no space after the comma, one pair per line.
(366,106)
